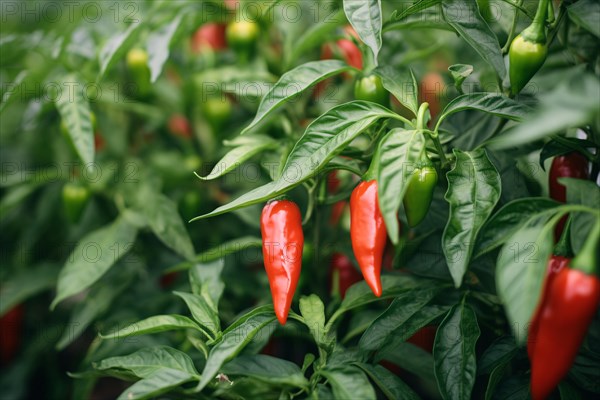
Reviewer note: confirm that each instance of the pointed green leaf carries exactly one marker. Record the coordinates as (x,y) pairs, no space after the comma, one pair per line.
(155,324)
(401,84)
(366,19)
(266,369)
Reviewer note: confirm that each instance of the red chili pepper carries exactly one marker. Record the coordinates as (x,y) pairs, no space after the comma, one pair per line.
(283,242)
(571,300)
(367,232)
(180,126)
(10,333)
(571,165)
(210,35)
(555,265)
(343,273)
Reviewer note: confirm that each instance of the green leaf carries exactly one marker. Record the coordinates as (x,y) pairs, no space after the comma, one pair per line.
(459,73)
(400,311)
(234,339)
(146,361)
(587,193)
(93,257)
(266,369)
(156,384)
(246,147)
(165,221)
(416,7)
(430,18)
(399,153)
(26,283)
(365,17)
(116,47)
(587,14)
(566,145)
(401,84)
(349,382)
(572,104)
(520,271)
(155,324)
(202,312)
(158,44)
(473,190)
(508,220)
(411,358)
(294,82)
(96,303)
(325,138)
(391,386)
(464,17)
(313,311)
(500,352)
(75,112)
(360,294)
(205,280)
(9,93)
(454,353)
(491,103)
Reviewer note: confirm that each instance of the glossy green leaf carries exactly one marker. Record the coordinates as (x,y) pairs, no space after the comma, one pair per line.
(154,324)
(158,44)
(75,112)
(509,219)
(417,7)
(218,252)
(245,148)
(202,312)
(473,190)
(491,103)
(205,280)
(266,369)
(116,47)
(454,353)
(401,310)
(234,339)
(391,386)
(156,384)
(587,193)
(360,294)
(464,17)
(520,272)
(399,154)
(366,19)
(411,358)
(402,84)
(349,382)
(325,138)
(293,83)
(93,257)
(587,14)
(500,352)
(430,18)
(313,312)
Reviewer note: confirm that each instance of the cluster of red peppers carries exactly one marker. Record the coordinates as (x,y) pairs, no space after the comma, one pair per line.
(570,296)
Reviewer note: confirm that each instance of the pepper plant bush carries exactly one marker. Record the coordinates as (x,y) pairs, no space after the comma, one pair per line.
(106,118)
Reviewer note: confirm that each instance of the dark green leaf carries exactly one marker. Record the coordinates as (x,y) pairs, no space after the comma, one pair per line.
(93,257)
(365,17)
(349,382)
(520,271)
(411,358)
(491,103)
(313,311)
(294,82)
(508,220)
(266,369)
(26,283)
(400,311)
(587,14)
(202,312)
(391,386)
(473,191)
(587,193)
(158,44)
(454,353)
(501,351)
(116,47)
(393,285)
(464,16)
(416,7)
(234,339)
(205,280)
(154,324)
(566,145)
(157,383)
(401,84)
(399,153)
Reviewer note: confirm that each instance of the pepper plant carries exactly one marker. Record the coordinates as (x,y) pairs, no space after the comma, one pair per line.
(301,199)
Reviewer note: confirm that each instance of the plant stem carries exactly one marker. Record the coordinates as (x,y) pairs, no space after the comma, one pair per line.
(588,258)
(513,28)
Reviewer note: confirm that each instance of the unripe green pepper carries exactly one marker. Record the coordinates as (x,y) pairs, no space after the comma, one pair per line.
(137,62)
(528,51)
(370,88)
(242,36)
(75,198)
(217,111)
(419,193)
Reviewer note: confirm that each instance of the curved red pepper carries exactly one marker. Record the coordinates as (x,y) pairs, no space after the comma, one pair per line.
(572,300)
(555,265)
(344,272)
(283,242)
(367,233)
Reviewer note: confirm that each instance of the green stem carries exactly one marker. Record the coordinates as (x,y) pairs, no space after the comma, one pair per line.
(513,28)
(421,115)
(570,145)
(536,32)
(440,149)
(588,258)
(563,247)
